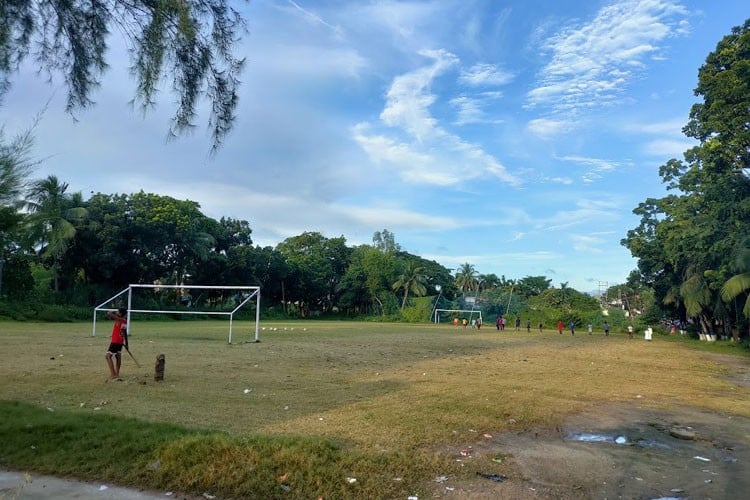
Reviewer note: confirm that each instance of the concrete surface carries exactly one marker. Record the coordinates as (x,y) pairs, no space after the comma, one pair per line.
(19,486)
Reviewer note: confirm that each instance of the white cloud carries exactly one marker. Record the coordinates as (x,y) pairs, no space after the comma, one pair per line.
(546,127)
(408,99)
(316,19)
(598,164)
(668,148)
(484,74)
(591,64)
(587,243)
(469,110)
(671,127)
(591,212)
(415,144)
(277,216)
(670,141)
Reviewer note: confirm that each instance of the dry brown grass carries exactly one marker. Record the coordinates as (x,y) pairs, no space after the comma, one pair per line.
(374,386)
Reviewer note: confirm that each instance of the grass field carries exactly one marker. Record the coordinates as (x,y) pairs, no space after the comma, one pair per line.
(317,405)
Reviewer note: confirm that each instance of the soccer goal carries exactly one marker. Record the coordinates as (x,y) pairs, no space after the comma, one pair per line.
(449,314)
(180,299)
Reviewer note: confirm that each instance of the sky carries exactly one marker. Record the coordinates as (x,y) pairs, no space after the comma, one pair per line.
(516,136)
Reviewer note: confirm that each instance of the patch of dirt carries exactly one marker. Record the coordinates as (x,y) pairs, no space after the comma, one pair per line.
(738,368)
(582,458)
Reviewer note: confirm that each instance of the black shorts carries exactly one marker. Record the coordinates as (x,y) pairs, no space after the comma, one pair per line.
(114,348)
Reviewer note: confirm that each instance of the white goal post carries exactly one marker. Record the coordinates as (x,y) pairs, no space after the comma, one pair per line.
(470,312)
(250,293)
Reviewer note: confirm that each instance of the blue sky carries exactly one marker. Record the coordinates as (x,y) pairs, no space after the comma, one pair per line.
(513,135)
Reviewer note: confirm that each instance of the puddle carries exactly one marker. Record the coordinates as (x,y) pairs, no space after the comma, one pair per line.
(588,437)
(652,443)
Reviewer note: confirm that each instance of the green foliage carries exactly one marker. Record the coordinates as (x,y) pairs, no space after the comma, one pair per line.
(190,40)
(36,310)
(419,311)
(466,279)
(686,240)
(412,279)
(17,281)
(169,457)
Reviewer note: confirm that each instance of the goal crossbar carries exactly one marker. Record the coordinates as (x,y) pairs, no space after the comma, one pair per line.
(254,293)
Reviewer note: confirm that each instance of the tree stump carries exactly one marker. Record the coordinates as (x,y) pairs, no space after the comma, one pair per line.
(159,369)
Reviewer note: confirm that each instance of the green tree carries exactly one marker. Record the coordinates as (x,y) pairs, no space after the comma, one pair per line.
(366,284)
(187,41)
(466,279)
(316,266)
(739,283)
(685,240)
(142,238)
(15,168)
(52,212)
(385,241)
(411,280)
(530,286)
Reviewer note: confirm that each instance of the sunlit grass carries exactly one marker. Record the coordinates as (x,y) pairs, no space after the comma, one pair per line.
(316,402)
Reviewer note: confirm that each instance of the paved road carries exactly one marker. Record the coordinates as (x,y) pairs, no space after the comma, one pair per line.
(13,486)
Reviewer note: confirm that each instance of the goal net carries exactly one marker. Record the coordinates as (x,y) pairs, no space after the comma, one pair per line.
(204,300)
(447,315)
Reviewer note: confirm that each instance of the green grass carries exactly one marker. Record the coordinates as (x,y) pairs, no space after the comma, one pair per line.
(315,403)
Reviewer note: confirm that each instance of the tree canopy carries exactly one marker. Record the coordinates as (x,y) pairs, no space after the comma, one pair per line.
(685,241)
(187,42)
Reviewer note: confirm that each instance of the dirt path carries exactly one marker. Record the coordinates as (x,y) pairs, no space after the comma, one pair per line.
(623,451)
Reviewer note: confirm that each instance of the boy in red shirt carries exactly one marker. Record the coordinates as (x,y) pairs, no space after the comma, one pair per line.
(117,341)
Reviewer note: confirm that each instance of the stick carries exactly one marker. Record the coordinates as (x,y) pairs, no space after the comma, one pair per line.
(131,355)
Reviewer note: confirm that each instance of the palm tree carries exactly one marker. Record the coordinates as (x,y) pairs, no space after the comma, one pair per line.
(466,278)
(696,296)
(15,167)
(51,212)
(740,282)
(412,279)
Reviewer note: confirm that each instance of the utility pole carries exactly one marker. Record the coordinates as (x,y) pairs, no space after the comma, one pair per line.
(603,289)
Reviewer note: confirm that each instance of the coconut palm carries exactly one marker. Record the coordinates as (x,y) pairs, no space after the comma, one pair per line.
(740,282)
(466,278)
(413,280)
(51,214)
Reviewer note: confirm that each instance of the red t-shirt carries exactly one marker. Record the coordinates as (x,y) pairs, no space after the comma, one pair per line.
(117,337)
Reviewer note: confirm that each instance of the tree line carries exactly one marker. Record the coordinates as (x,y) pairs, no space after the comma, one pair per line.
(693,245)
(71,250)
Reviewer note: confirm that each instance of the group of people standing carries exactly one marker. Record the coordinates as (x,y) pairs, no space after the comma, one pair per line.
(590,328)
(502,320)
(475,322)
